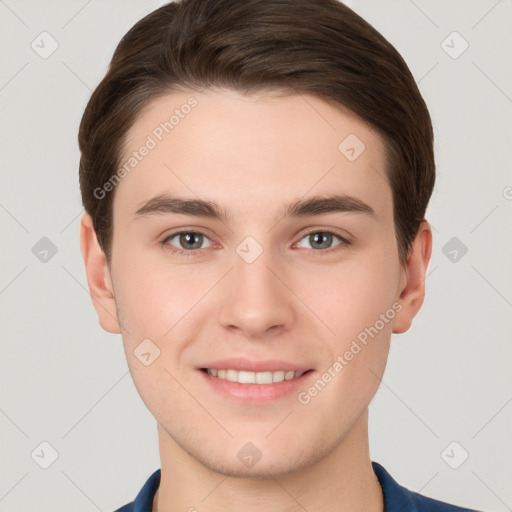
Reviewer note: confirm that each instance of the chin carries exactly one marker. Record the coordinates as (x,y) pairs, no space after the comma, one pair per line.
(268,461)
(260,471)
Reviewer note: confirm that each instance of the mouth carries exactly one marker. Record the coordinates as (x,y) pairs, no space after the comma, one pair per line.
(254,382)
(248,377)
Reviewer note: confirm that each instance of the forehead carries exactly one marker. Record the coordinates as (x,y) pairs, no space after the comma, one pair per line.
(250,151)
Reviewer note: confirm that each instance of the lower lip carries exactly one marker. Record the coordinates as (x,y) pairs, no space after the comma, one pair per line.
(255,393)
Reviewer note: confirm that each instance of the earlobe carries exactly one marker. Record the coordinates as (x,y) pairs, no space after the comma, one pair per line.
(98,277)
(412,291)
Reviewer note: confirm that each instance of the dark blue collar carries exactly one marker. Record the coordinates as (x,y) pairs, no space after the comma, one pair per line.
(396,497)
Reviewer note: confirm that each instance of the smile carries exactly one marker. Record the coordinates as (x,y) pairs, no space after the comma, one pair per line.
(246,377)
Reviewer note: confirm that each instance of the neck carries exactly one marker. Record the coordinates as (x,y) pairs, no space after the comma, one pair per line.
(343,481)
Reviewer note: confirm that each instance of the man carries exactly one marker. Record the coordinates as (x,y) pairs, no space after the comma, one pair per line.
(255,176)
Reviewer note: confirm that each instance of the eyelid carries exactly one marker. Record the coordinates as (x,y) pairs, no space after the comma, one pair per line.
(343,241)
(343,235)
(191,231)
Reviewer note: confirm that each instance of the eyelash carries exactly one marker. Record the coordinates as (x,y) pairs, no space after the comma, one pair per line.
(194,252)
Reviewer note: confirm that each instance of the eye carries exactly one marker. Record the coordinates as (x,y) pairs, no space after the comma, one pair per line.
(322,241)
(189,241)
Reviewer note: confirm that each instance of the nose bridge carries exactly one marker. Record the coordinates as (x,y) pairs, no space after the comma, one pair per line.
(257,300)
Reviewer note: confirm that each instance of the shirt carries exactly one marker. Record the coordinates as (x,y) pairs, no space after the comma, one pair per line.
(396,497)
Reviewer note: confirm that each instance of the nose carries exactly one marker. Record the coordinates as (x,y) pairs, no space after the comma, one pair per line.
(256,300)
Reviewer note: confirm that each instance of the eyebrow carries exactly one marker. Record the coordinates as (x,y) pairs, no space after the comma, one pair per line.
(317,205)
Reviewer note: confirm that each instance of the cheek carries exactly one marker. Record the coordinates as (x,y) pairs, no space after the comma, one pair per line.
(153,298)
(367,293)
(354,296)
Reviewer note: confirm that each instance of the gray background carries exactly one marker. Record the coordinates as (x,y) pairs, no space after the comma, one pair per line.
(65,382)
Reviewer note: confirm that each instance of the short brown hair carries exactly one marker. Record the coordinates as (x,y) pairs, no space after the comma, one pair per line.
(319,47)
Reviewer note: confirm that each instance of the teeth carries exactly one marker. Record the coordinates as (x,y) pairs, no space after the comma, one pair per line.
(232,375)
(244,377)
(264,378)
(278,376)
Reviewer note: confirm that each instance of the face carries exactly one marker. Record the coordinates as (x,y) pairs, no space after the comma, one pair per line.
(270,252)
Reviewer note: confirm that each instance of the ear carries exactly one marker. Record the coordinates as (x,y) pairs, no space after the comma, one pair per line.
(98,277)
(412,286)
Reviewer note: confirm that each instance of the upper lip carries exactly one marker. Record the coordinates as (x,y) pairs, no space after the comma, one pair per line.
(243,364)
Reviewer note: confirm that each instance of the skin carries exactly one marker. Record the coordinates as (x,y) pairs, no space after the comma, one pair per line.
(253,155)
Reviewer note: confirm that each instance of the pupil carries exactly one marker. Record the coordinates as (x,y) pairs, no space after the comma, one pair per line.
(317,236)
(188,238)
